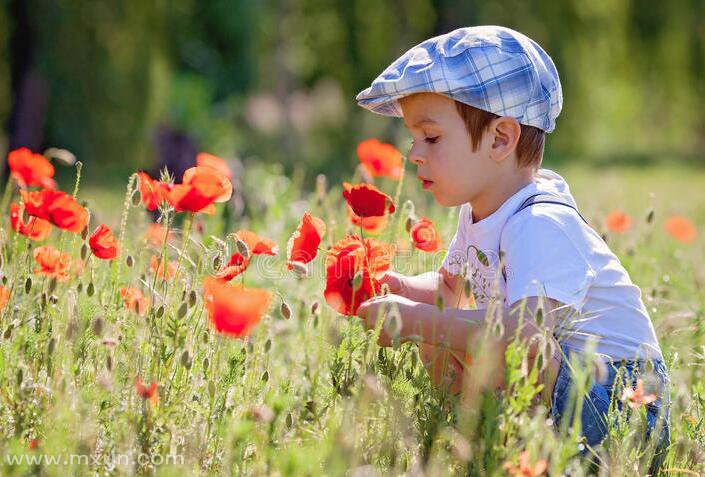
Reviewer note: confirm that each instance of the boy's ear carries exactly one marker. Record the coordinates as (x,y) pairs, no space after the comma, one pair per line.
(504,133)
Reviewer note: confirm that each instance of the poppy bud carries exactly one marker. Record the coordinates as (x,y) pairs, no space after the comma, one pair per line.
(357,281)
(90,291)
(28,285)
(409,224)
(19,377)
(243,248)
(109,362)
(186,359)
(314,307)
(52,284)
(84,233)
(84,251)
(211,389)
(192,298)
(98,323)
(539,316)
(160,311)
(181,312)
(650,216)
(79,287)
(217,262)
(8,332)
(321,185)
(267,345)
(206,363)
(289,420)
(62,156)
(285,310)
(136,198)
(129,261)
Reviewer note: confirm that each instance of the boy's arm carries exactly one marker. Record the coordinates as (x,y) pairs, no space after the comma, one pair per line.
(426,287)
(455,328)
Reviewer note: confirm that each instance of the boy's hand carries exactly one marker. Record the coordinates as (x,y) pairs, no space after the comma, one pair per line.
(376,308)
(395,282)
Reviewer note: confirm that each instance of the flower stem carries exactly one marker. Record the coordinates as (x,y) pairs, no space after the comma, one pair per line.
(397,194)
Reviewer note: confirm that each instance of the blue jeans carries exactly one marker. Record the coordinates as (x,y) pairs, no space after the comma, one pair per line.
(597,400)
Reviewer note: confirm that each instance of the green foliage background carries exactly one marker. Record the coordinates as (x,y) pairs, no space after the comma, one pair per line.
(276,79)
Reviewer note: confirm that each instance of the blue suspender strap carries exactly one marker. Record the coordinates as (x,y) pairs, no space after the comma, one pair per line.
(542,198)
(547,199)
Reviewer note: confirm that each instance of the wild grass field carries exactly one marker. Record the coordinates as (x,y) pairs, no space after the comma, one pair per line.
(307,391)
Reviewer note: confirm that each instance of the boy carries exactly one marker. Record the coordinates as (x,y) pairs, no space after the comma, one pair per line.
(478,102)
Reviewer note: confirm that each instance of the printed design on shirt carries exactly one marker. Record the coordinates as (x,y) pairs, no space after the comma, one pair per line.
(481,269)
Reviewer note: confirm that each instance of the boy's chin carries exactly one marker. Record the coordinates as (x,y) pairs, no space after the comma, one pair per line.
(446,201)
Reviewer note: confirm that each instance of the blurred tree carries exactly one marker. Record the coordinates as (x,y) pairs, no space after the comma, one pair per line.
(276,79)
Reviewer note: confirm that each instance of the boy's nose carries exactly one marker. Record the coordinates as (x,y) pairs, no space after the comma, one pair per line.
(414,157)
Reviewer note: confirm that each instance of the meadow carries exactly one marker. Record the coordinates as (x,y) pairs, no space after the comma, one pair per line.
(147,362)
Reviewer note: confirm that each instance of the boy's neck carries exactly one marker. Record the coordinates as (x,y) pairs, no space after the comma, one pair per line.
(492,199)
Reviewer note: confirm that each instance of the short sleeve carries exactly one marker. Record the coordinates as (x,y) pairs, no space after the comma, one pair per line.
(541,259)
(456,256)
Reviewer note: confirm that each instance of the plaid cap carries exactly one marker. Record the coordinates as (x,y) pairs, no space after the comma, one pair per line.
(492,68)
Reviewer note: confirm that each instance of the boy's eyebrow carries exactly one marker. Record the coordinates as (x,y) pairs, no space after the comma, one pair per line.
(420,122)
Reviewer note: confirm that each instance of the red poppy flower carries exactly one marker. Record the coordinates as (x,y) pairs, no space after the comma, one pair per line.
(34,229)
(145,392)
(201,187)
(350,257)
(380,159)
(218,163)
(366,200)
(52,263)
(156,266)
(67,214)
(232,309)
(134,300)
(303,244)
(425,236)
(103,243)
(236,265)
(373,225)
(256,244)
(30,169)
(618,222)
(152,192)
(59,208)
(4,296)
(681,229)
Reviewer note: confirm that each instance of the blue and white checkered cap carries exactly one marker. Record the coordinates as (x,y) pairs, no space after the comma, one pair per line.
(492,68)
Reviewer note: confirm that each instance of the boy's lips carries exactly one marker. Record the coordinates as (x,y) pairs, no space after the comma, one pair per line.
(426,183)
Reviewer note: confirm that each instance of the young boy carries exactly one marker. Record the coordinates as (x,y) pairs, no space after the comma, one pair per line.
(477,102)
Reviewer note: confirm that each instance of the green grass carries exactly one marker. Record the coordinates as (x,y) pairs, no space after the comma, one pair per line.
(312,394)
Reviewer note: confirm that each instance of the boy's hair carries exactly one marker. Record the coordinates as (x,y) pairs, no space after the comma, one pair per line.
(529,147)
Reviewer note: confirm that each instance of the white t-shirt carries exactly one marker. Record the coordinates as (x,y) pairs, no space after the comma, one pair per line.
(549,251)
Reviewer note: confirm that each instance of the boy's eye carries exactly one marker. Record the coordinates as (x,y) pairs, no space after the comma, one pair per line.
(431,140)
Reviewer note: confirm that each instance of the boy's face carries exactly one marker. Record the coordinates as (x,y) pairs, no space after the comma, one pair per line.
(442,150)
